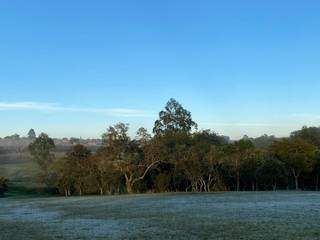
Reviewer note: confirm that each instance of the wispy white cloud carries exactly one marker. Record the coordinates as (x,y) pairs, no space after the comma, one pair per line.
(236,130)
(240,124)
(25,106)
(53,107)
(306,116)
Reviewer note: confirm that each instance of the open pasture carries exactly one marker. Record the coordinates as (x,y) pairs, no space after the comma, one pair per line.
(243,215)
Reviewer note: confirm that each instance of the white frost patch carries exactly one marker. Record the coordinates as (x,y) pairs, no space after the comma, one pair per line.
(28,213)
(88,228)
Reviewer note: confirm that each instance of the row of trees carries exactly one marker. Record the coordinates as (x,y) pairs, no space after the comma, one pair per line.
(178,157)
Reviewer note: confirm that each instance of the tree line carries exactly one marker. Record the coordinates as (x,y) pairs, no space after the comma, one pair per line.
(178,157)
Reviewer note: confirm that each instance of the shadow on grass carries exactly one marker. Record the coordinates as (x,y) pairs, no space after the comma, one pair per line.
(22,191)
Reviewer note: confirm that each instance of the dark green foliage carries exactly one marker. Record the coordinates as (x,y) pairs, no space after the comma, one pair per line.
(316,168)
(41,151)
(271,173)
(13,137)
(174,118)
(309,134)
(264,142)
(32,134)
(3,185)
(249,169)
(297,155)
(162,182)
(74,171)
(209,137)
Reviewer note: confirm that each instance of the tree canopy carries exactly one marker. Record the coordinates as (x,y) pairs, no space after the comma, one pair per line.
(32,134)
(41,150)
(174,118)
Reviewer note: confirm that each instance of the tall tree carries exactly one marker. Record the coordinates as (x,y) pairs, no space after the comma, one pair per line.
(201,160)
(106,176)
(143,136)
(193,164)
(81,165)
(214,160)
(41,151)
(296,154)
(32,134)
(236,153)
(316,168)
(174,118)
(127,155)
(74,171)
(65,181)
(249,168)
(271,172)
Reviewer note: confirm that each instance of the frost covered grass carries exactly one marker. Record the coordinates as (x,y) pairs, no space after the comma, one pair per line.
(243,215)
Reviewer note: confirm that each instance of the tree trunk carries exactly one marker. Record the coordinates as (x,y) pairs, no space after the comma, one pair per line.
(296,177)
(101,191)
(296,180)
(129,187)
(274,186)
(238,181)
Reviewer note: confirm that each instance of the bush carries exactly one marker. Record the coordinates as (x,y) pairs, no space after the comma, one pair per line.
(162,182)
(3,185)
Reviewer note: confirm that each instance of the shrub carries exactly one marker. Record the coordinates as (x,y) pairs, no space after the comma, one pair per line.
(3,185)
(162,182)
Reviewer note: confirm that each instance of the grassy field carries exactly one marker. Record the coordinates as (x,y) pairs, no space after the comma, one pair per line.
(21,171)
(260,215)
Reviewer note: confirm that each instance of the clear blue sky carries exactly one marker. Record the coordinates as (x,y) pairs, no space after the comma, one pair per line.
(71,68)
